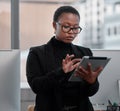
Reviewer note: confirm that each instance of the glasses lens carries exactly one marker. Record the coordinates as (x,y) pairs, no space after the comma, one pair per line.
(66,28)
(75,30)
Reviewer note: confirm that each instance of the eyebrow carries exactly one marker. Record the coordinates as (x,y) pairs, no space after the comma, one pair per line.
(69,24)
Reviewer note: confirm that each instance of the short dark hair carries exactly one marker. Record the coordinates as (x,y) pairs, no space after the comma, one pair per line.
(64,9)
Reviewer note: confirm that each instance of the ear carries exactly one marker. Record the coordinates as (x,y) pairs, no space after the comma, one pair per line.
(54,25)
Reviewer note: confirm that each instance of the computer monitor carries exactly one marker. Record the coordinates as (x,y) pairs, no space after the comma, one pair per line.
(9,80)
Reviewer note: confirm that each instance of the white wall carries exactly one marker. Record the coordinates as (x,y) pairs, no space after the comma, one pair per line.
(108,80)
(9,80)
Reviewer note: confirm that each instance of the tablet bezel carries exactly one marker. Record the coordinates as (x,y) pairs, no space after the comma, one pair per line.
(95,61)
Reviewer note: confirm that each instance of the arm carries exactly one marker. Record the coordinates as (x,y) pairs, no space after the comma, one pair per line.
(92,88)
(38,79)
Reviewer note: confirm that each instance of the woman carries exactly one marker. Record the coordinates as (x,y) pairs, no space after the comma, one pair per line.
(49,67)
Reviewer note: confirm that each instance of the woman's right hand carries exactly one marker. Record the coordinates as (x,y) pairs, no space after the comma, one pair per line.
(69,64)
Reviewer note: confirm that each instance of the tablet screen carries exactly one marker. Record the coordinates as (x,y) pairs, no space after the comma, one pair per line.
(95,62)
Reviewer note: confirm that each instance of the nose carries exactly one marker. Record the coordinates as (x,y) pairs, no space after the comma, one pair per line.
(71,30)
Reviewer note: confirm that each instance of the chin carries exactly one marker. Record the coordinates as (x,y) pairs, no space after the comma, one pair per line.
(68,41)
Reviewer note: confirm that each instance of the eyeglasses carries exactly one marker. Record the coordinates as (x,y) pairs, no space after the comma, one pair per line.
(67,29)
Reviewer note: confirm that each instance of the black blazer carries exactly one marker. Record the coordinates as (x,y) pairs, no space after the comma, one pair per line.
(44,78)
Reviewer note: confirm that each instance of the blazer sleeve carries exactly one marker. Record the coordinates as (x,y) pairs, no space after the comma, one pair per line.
(38,79)
(91,89)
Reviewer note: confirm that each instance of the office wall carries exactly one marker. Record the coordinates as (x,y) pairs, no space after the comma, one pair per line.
(108,79)
(9,80)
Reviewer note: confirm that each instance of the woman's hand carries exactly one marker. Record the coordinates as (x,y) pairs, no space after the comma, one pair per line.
(88,74)
(69,64)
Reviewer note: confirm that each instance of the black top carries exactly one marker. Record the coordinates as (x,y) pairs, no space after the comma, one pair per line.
(70,90)
(60,50)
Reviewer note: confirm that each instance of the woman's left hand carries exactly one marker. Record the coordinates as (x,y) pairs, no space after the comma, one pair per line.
(88,74)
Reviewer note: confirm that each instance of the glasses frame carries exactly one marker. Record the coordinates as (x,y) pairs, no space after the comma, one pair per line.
(70,28)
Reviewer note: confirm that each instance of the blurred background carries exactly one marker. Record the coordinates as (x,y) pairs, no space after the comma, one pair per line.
(27,23)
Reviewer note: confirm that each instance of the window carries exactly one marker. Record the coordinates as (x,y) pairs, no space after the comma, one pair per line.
(5,24)
(115,30)
(109,31)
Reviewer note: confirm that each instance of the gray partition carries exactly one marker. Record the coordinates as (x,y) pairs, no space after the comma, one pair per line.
(108,79)
(9,80)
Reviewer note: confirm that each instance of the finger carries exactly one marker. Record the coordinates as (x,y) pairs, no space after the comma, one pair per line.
(98,70)
(78,73)
(76,65)
(89,67)
(63,62)
(74,61)
(68,57)
(82,70)
(71,56)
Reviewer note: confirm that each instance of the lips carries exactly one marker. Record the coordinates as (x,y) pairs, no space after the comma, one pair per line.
(70,38)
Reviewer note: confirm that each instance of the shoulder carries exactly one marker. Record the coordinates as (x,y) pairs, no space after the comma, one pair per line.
(37,48)
(84,50)
(41,47)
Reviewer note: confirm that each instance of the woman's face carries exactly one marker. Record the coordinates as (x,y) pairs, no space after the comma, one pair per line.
(66,28)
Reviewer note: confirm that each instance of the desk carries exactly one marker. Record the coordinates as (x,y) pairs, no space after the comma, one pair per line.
(100,110)
(99,107)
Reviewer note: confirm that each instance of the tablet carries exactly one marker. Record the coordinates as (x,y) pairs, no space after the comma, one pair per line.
(95,62)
